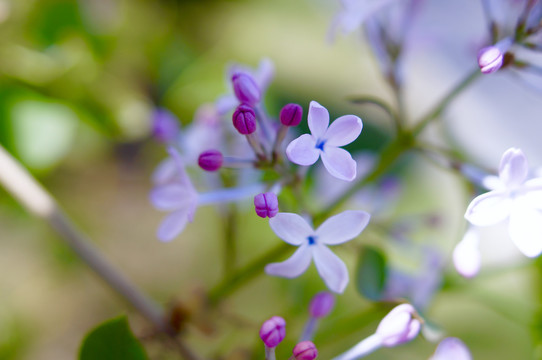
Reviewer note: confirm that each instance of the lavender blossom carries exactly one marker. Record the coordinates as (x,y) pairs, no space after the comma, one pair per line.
(165,126)
(451,349)
(517,199)
(325,141)
(338,229)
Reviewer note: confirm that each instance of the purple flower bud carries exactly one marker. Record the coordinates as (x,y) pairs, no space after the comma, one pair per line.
(165,126)
(267,204)
(210,160)
(399,326)
(321,304)
(273,331)
(305,350)
(245,88)
(244,119)
(291,114)
(490,59)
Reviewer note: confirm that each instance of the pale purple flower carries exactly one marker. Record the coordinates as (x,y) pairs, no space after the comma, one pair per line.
(399,326)
(165,126)
(516,199)
(466,255)
(338,229)
(451,349)
(175,193)
(325,141)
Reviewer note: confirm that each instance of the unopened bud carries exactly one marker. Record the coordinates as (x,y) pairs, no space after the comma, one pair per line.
(266,204)
(399,326)
(305,350)
(321,304)
(244,119)
(291,114)
(210,160)
(490,59)
(245,88)
(273,331)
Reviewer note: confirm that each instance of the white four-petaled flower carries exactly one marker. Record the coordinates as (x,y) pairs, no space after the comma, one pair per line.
(338,229)
(514,198)
(325,141)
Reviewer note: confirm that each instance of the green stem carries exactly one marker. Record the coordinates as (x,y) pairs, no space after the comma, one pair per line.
(437,111)
(230,250)
(245,274)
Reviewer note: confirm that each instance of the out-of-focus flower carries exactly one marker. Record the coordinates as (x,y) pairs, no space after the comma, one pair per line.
(325,141)
(354,13)
(451,349)
(399,326)
(245,88)
(266,204)
(516,199)
(273,331)
(165,126)
(305,350)
(338,229)
(466,255)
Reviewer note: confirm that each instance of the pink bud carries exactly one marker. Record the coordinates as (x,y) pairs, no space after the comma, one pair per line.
(321,304)
(399,326)
(305,350)
(210,160)
(266,204)
(245,88)
(273,331)
(244,119)
(291,114)
(490,59)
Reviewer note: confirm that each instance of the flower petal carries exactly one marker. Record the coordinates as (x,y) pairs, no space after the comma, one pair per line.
(318,119)
(451,349)
(294,266)
(489,208)
(171,197)
(525,230)
(343,131)
(165,172)
(513,168)
(172,225)
(342,227)
(291,228)
(466,255)
(303,151)
(339,163)
(331,268)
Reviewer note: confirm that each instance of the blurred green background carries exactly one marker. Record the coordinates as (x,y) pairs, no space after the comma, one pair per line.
(78,83)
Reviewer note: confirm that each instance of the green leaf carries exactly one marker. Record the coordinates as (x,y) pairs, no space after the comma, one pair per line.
(371,273)
(112,340)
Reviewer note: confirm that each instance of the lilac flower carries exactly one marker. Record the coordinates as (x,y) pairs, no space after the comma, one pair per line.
(399,326)
(165,126)
(354,13)
(325,141)
(516,199)
(338,229)
(466,255)
(451,349)
(177,194)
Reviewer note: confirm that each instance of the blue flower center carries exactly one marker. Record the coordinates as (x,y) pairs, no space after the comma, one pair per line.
(312,240)
(320,144)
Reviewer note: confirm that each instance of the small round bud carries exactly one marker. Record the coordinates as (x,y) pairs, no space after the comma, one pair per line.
(399,326)
(266,204)
(273,331)
(291,114)
(321,304)
(210,160)
(165,126)
(244,119)
(490,59)
(245,88)
(305,350)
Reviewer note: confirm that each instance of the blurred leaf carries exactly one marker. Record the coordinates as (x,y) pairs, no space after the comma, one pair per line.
(112,340)
(371,273)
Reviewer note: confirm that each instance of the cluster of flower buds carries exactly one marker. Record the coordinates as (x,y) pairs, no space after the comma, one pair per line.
(273,332)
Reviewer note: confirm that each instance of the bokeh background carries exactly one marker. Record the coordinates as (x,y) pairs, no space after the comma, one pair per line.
(79,81)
